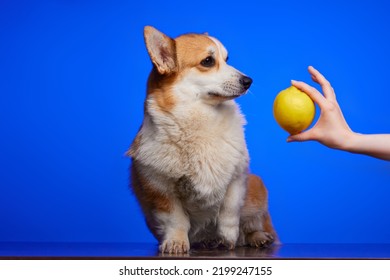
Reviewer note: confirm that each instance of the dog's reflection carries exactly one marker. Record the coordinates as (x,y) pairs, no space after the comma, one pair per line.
(238,252)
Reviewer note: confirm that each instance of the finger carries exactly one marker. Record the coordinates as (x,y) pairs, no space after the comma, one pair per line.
(301,137)
(324,83)
(313,93)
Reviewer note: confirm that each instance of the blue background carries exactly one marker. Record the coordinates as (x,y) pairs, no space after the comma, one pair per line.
(72,84)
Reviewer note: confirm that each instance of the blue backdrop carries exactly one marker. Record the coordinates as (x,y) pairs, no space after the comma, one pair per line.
(72,84)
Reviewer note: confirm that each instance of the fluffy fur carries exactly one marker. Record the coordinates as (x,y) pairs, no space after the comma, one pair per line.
(189,166)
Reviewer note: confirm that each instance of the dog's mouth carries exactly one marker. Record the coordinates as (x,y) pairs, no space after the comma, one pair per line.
(224,96)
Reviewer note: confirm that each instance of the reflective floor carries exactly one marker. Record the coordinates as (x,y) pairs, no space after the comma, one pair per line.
(18,250)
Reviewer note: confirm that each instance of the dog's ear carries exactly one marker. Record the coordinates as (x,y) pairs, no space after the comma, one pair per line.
(161,49)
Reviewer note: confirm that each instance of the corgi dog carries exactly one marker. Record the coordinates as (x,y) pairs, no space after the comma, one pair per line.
(189,167)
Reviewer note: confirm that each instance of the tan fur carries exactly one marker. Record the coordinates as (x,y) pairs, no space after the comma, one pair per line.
(149,197)
(256,204)
(160,87)
(189,158)
(135,146)
(188,46)
(257,193)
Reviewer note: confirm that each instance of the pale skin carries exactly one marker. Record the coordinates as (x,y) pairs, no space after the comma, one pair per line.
(331,128)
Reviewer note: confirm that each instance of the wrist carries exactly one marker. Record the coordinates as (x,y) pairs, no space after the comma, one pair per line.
(349,141)
(353,142)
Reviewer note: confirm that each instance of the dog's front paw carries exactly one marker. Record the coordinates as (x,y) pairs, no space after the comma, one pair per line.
(174,246)
(260,239)
(228,237)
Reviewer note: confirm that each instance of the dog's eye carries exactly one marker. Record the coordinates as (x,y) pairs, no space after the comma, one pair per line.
(208,62)
(227,58)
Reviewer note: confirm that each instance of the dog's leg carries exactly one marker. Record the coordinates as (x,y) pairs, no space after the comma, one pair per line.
(164,214)
(229,216)
(256,228)
(173,227)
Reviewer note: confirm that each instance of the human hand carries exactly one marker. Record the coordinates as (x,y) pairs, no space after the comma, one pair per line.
(331,128)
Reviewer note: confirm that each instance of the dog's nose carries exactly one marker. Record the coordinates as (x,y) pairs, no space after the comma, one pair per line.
(245,82)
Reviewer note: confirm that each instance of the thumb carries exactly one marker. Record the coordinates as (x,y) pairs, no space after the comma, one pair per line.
(300,137)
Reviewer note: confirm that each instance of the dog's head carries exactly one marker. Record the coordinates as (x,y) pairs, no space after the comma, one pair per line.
(193,67)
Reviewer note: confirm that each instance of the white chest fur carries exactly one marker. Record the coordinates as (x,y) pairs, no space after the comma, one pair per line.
(203,142)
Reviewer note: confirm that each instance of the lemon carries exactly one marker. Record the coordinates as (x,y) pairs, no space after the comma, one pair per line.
(293,110)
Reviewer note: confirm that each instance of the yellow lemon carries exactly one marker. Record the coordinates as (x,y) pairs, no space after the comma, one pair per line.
(293,110)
